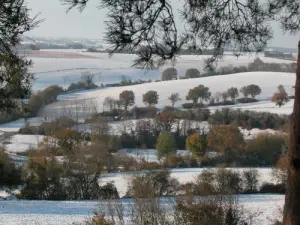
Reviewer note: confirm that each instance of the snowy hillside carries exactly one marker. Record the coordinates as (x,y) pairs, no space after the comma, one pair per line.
(262,106)
(268,81)
(63,71)
(22,143)
(14,126)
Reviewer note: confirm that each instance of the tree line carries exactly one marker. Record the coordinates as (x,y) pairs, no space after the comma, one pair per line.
(256,66)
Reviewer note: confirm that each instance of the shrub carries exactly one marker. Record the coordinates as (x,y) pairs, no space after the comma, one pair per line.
(269,188)
(144,112)
(77,86)
(191,105)
(250,179)
(10,175)
(211,210)
(228,181)
(169,74)
(98,219)
(227,102)
(154,184)
(205,183)
(246,100)
(108,191)
(192,73)
(264,150)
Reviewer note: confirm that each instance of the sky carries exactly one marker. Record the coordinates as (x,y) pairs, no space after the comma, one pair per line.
(90,23)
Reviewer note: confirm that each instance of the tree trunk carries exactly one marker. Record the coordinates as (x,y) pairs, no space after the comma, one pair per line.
(292,198)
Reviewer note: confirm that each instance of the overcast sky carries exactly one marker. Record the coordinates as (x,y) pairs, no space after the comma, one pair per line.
(90,23)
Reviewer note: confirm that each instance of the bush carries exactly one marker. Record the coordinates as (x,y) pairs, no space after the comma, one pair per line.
(211,210)
(269,188)
(192,73)
(154,184)
(169,74)
(205,183)
(228,181)
(77,86)
(264,150)
(191,105)
(47,128)
(98,219)
(246,100)
(144,112)
(38,100)
(250,179)
(227,102)
(108,191)
(10,175)
(248,119)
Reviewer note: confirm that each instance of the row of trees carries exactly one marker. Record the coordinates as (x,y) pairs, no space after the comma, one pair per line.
(127,98)
(198,94)
(219,206)
(229,144)
(256,65)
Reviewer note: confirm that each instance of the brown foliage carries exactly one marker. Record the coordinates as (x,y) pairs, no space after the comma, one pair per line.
(197,144)
(280,97)
(225,137)
(127,98)
(150,98)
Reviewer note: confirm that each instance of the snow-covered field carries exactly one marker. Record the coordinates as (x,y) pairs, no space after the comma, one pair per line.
(14,126)
(148,155)
(262,106)
(186,175)
(21,143)
(63,71)
(68,212)
(268,81)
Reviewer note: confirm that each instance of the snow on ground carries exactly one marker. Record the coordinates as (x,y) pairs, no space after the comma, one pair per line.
(14,126)
(164,89)
(119,127)
(186,175)
(21,143)
(250,134)
(148,155)
(7,194)
(262,106)
(63,71)
(68,212)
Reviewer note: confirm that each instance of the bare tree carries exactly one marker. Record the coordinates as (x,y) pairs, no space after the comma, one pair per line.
(175,97)
(225,96)
(88,78)
(217,96)
(109,102)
